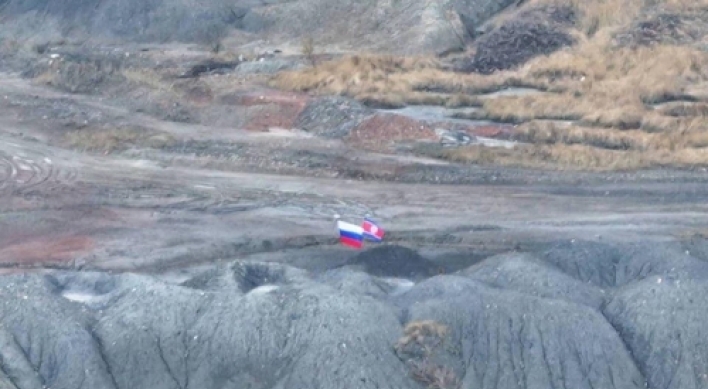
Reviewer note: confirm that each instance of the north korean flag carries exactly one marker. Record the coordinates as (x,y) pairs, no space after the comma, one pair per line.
(372,230)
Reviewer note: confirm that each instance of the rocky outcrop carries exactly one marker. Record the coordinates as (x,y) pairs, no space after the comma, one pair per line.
(533,32)
(146,21)
(404,27)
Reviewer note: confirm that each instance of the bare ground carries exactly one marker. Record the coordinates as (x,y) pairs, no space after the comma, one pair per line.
(180,195)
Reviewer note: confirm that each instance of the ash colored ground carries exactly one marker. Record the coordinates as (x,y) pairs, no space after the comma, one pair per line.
(163,231)
(232,276)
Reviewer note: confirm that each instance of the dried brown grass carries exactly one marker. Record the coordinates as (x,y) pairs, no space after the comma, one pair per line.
(115,139)
(150,79)
(578,157)
(609,76)
(550,132)
(78,76)
(572,147)
(391,80)
(427,336)
(610,93)
(421,332)
(692,234)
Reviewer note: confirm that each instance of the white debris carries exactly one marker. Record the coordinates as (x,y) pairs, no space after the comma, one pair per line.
(79,297)
(263,289)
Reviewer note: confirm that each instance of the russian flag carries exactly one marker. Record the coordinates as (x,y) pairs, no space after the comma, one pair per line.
(350,234)
(372,230)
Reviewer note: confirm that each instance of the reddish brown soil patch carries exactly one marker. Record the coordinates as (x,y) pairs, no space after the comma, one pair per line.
(264,97)
(273,116)
(43,250)
(200,95)
(270,109)
(492,131)
(382,130)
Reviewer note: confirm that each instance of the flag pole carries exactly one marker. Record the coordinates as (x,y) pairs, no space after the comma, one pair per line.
(336,219)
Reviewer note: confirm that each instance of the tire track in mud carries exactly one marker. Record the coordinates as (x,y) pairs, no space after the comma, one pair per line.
(216,199)
(29,171)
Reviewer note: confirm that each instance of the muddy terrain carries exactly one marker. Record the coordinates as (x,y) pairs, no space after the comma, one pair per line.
(193,193)
(489,277)
(167,217)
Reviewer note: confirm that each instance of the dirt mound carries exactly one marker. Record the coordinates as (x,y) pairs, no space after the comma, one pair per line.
(383,130)
(403,26)
(332,117)
(534,32)
(658,26)
(394,261)
(153,20)
(580,315)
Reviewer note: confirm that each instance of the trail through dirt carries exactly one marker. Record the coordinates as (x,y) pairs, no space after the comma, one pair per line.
(144,210)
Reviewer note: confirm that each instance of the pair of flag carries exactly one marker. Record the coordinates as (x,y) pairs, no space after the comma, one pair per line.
(353,235)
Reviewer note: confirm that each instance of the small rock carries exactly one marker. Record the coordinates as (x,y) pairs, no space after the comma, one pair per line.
(453,138)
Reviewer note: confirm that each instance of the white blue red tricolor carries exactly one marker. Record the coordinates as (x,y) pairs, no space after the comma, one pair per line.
(350,234)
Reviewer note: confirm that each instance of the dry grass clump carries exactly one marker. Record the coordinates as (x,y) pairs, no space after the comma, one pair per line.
(418,347)
(193,90)
(622,106)
(682,109)
(427,334)
(692,235)
(150,79)
(517,109)
(578,157)
(549,133)
(115,139)
(78,75)
(354,74)
(608,75)
(550,144)
(686,136)
(609,94)
(434,376)
(391,81)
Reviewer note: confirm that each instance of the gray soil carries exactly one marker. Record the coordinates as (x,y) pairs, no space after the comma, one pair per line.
(227,272)
(204,255)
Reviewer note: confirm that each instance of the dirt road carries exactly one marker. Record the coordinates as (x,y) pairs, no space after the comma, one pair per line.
(214,195)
